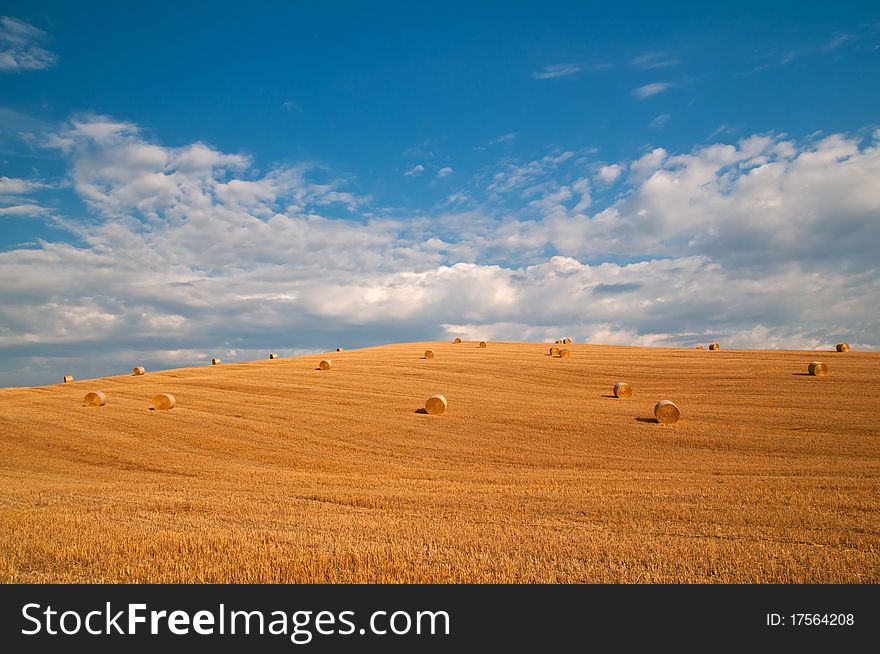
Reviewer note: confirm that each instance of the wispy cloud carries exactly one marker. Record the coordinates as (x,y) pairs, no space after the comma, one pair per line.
(290,105)
(444,172)
(415,171)
(838,40)
(558,70)
(648,90)
(652,60)
(20,47)
(661,121)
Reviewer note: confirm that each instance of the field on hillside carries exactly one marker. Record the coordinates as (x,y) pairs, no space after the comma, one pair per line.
(273,471)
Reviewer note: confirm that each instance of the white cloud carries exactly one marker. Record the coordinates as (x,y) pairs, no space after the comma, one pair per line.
(21,47)
(444,172)
(652,60)
(649,90)
(661,121)
(557,70)
(610,173)
(415,171)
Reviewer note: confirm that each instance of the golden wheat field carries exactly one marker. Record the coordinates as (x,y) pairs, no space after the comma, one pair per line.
(274,471)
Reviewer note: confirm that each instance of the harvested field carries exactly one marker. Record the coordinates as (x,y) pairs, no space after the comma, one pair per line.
(272,471)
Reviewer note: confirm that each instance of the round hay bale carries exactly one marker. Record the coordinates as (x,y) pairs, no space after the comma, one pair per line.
(429,354)
(817,368)
(622,389)
(272,355)
(164,402)
(325,364)
(457,340)
(96,398)
(843,347)
(138,370)
(435,405)
(215,361)
(483,344)
(564,352)
(68,379)
(714,346)
(554,351)
(339,349)
(666,412)
(558,341)
(699,347)
(566,341)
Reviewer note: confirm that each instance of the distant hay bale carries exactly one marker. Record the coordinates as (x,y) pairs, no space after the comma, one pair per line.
(68,379)
(483,344)
(215,361)
(564,352)
(714,346)
(622,389)
(164,402)
(435,405)
(817,368)
(554,351)
(843,347)
(457,340)
(429,354)
(97,398)
(138,370)
(566,341)
(339,349)
(325,364)
(272,355)
(558,341)
(699,347)
(666,412)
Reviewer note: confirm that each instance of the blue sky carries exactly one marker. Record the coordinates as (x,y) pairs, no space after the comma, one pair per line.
(363,171)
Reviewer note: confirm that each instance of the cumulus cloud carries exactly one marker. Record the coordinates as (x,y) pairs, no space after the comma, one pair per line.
(444,172)
(415,171)
(190,253)
(21,47)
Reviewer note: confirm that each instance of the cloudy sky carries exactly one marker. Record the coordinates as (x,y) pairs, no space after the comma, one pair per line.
(183,182)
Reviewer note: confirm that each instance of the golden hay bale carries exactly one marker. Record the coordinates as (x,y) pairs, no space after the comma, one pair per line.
(435,405)
(339,349)
(666,412)
(96,398)
(164,402)
(843,347)
(483,344)
(457,340)
(554,351)
(699,347)
(566,341)
(272,355)
(558,341)
(622,389)
(325,364)
(68,379)
(817,368)
(138,370)
(564,352)
(429,354)
(714,346)
(215,361)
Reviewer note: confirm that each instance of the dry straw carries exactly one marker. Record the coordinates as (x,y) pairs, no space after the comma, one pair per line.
(699,347)
(622,389)
(164,402)
(138,370)
(435,405)
(94,399)
(843,347)
(272,355)
(817,368)
(457,340)
(666,412)
(714,346)
(564,352)
(566,341)
(68,379)
(339,349)
(429,354)
(215,361)
(325,364)
(483,344)
(554,351)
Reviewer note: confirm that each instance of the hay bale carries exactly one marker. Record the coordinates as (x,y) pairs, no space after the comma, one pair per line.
(429,354)
(435,405)
(714,346)
(699,347)
(622,389)
(843,347)
(138,370)
(564,352)
(325,364)
(566,341)
(68,379)
(164,402)
(215,361)
(483,344)
(554,351)
(558,341)
(97,398)
(817,368)
(339,349)
(666,412)
(272,355)
(457,340)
